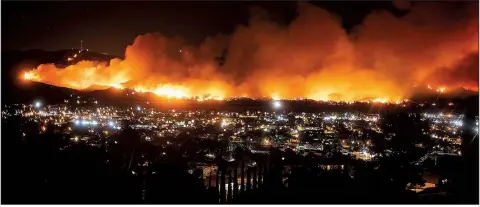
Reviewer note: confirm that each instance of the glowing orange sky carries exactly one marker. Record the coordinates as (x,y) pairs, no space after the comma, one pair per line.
(313,57)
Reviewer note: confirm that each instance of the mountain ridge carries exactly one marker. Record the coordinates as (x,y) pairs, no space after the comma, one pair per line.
(11,59)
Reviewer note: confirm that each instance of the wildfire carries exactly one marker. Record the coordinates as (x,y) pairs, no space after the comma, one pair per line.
(31,76)
(266,60)
(380,100)
(181,92)
(441,90)
(170,92)
(116,85)
(275,96)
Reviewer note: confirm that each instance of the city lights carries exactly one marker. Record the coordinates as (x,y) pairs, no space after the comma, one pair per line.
(444,127)
(457,123)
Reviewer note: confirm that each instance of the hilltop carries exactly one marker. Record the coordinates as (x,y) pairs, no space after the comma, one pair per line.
(14,90)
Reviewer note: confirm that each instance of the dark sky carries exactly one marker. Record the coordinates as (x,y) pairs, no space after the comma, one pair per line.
(110,26)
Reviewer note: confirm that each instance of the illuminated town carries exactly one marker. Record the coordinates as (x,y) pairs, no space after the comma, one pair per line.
(324,134)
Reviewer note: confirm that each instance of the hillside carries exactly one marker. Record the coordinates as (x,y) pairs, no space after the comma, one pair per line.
(15,90)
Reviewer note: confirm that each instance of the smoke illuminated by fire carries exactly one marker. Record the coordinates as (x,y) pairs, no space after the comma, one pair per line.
(312,57)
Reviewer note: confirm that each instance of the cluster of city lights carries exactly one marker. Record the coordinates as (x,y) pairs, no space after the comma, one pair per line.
(85,122)
(322,126)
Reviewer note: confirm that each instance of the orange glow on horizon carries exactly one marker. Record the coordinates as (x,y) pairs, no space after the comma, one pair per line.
(266,60)
(380,100)
(170,92)
(118,86)
(183,92)
(441,90)
(31,75)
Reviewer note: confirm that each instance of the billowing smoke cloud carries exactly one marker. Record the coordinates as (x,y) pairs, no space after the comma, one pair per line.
(402,4)
(312,57)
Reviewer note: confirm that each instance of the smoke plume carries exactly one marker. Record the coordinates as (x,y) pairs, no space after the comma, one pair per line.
(435,43)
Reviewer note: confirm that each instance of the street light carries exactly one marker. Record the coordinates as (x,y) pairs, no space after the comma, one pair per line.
(38,104)
(277,104)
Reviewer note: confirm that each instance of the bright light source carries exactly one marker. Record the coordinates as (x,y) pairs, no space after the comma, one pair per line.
(110,123)
(77,122)
(84,122)
(139,108)
(267,142)
(277,104)
(458,123)
(94,122)
(283,158)
(38,104)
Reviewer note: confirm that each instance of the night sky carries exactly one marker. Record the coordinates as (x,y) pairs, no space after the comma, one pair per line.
(108,27)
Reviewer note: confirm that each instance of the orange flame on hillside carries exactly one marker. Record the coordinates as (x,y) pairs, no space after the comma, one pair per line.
(313,57)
